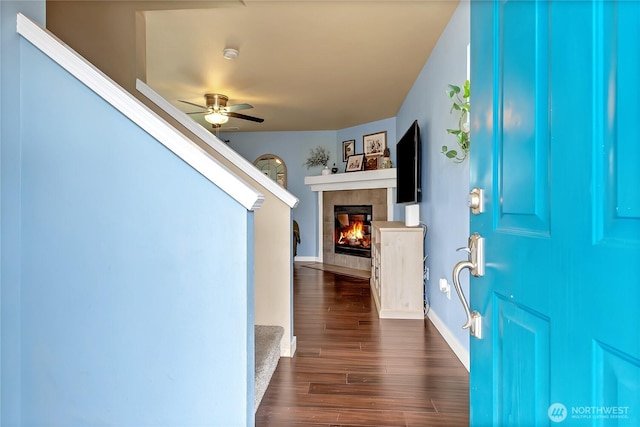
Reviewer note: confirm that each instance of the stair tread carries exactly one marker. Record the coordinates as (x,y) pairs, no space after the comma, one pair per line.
(267,354)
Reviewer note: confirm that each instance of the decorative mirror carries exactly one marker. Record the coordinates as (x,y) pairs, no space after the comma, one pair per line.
(272,166)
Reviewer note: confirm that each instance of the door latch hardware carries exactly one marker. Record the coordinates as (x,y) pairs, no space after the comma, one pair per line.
(475,264)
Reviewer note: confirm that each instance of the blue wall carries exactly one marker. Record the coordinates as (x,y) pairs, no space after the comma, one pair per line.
(445,184)
(10,247)
(127,282)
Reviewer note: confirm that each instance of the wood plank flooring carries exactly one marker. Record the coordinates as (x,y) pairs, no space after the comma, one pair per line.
(353,369)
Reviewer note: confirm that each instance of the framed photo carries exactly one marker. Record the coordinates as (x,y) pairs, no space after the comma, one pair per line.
(374,143)
(372,163)
(355,163)
(348,149)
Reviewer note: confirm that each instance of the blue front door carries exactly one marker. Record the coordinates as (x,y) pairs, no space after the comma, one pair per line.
(556,148)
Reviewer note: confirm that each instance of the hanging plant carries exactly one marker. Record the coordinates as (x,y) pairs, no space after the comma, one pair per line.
(461,106)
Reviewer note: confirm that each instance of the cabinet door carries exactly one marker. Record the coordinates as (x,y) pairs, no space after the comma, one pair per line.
(401,293)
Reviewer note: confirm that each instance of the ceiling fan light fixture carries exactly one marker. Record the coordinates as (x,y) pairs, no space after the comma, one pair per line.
(230,53)
(216,118)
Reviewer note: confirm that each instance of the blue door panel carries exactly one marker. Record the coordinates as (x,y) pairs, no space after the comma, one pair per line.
(617,152)
(516,405)
(616,386)
(627,131)
(523,61)
(556,148)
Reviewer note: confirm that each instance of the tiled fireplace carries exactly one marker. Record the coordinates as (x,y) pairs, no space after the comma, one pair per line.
(366,188)
(376,198)
(352,230)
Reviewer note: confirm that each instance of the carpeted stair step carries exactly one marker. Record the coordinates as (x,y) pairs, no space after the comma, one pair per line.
(267,343)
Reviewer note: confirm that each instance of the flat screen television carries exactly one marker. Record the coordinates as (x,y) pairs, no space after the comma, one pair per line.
(408,166)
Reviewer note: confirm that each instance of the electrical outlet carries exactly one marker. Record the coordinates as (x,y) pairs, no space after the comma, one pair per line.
(445,287)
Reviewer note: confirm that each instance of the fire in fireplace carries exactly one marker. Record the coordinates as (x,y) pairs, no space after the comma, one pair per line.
(352,234)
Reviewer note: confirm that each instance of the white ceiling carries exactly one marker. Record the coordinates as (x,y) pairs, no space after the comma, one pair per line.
(303,65)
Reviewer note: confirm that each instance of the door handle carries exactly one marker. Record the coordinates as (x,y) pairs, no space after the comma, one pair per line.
(475,264)
(457,269)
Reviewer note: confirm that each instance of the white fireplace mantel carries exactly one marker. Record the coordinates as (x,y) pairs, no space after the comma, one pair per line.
(381,178)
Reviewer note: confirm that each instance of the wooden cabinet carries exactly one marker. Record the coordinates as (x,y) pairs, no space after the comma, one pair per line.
(396,270)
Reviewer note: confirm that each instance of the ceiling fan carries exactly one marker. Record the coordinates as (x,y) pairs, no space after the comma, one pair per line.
(217,112)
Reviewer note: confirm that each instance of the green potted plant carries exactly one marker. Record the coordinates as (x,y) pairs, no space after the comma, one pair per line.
(318,156)
(462,107)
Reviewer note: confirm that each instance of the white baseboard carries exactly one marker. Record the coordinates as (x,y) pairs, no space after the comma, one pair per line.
(306,258)
(289,352)
(461,353)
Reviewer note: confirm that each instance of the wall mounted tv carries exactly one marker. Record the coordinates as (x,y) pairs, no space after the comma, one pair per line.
(408,166)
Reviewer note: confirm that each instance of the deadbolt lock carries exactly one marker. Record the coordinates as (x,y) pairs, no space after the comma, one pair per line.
(475,200)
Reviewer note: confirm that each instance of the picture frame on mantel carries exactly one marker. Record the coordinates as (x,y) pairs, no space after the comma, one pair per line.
(372,163)
(355,163)
(348,149)
(374,143)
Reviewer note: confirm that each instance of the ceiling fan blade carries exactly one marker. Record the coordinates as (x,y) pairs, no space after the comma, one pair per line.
(198,112)
(204,107)
(244,117)
(238,107)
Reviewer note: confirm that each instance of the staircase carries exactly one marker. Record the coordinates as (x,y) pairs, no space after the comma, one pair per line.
(267,346)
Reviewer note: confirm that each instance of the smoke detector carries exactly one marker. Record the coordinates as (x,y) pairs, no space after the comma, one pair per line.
(230,53)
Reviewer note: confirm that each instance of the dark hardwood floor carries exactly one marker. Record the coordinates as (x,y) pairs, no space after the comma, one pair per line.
(353,369)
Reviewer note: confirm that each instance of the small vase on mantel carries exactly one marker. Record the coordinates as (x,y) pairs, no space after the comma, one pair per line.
(326,170)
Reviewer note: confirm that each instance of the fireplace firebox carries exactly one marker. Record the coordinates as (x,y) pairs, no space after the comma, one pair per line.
(352,231)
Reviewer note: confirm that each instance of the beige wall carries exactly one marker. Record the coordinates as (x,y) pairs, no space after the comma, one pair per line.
(105,33)
(273,264)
